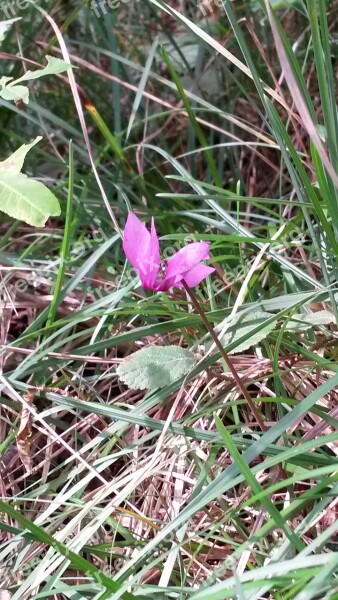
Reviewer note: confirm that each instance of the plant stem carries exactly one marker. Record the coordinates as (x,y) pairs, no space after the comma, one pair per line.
(224,355)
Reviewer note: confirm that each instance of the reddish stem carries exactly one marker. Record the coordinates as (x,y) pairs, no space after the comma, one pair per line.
(226,358)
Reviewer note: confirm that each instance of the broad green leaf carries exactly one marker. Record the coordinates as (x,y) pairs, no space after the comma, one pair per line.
(303,322)
(155,367)
(26,199)
(54,66)
(5,25)
(242,324)
(14,163)
(16,92)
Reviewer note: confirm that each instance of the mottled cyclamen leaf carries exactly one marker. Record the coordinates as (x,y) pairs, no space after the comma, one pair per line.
(155,367)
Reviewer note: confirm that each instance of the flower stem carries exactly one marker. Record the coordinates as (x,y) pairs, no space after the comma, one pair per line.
(224,355)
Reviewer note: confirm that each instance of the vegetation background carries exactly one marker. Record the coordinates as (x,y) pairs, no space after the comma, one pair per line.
(220,120)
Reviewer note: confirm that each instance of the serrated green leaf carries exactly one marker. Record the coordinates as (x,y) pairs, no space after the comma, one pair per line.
(26,199)
(155,367)
(243,324)
(5,25)
(14,163)
(302,322)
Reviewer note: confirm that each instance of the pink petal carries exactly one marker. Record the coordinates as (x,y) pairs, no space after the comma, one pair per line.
(151,263)
(197,274)
(165,284)
(136,240)
(186,258)
(142,249)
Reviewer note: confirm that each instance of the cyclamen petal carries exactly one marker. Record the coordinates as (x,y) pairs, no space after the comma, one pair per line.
(142,249)
(197,274)
(149,266)
(136,240)
(186,258)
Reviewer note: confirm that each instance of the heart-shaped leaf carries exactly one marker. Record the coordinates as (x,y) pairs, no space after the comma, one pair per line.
(155,367)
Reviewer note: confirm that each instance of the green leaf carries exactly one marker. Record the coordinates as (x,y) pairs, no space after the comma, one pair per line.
(5,25)
(12,91)
(242,324)
(26,199)
(14,163)
(279,4)
(4,80)
(155,367)
(16,92)
(54,66)
(303,322)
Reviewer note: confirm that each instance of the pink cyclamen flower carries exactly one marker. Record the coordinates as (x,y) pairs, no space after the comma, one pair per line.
(142,249)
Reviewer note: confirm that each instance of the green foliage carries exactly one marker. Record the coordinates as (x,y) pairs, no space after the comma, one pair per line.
(308,321)
(23,198)
(242,325)
(14,164)
(26,199)
(13,90)
(221,122)
(155,367)
(5,26)
(278,4)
